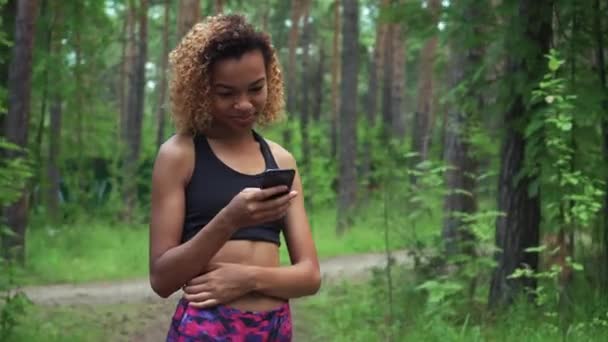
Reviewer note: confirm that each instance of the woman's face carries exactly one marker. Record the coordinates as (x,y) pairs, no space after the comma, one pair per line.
(238,90)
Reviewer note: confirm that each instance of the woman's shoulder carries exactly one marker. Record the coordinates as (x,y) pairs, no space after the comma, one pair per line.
(282,156)
(177,153)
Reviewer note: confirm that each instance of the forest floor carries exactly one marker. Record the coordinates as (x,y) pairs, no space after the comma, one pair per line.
(131,311)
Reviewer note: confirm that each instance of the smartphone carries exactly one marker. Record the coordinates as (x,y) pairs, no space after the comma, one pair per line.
(275,177)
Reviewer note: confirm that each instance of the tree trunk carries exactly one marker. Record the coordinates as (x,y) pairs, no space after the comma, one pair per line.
(17,119)
(305,80)
(398,110)
(371,101)
(460,177)
(519,228)
(218,6)
(265,15)
(188,15)
(162,91)
(421,134)
(387,82)
(601,67)
(53,172)
(297,9)
(43,101)
(348,114)
(135,113)
(318,86)
(335,80)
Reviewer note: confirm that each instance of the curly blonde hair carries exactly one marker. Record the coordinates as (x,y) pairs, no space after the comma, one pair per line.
(216,38)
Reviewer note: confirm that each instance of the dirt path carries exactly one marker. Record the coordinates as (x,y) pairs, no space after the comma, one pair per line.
(145,316)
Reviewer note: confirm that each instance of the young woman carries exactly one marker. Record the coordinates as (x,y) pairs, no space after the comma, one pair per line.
(213,232)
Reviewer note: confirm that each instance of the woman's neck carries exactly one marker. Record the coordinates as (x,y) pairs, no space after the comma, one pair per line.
(229,136)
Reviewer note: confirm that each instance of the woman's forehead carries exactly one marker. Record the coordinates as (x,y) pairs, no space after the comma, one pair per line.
(242,71)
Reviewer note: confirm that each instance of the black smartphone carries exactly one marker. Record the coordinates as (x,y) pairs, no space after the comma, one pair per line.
(275,177)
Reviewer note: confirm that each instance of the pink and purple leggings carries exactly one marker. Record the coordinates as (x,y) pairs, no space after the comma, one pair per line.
(226,324)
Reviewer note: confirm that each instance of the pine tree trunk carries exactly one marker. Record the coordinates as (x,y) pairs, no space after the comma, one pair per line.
(601,67)
(17,119)
(423,118)
(348,115)
(335,80)
(387,82)
(371,103)
(43,106)
(305,81)
(135,113)
(318,86)
(265,15)
(162,91)
(218,6)
(297,9)
(398,110)
(188,15)
(460,177)
(54,151)
(519,228)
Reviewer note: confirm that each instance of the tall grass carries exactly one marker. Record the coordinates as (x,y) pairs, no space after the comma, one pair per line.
(98,251)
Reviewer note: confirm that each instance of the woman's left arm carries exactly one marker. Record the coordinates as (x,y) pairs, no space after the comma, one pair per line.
(302,277)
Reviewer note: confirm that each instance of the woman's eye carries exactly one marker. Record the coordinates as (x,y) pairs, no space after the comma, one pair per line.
(256,89)
(224,94)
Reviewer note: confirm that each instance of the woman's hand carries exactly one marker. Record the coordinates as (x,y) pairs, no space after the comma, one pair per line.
(253,206)
(223,283)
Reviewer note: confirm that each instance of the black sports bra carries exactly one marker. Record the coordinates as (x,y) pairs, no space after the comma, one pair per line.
(212,187)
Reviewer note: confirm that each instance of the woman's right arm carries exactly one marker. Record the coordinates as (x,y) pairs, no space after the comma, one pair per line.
(173,264)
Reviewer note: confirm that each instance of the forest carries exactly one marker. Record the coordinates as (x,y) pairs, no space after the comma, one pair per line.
(471,136)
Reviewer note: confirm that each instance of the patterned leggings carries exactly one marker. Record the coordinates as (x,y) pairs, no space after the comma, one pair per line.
(226,324)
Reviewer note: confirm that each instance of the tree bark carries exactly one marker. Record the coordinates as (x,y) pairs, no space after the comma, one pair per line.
(398,110)
(318,86)
(19,91)
(519,228)
(135,114)
(371,101)
(162,91)
(460,178)
(387,82)
(305,82)
(601,67)
(53,171)
(218,6)
(423,118)
(335,80)
(188,15)
(348,115)
(298,7)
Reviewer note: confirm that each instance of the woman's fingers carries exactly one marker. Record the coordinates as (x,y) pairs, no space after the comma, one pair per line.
(198,297)
(276,202)
(197,288)
(205,304)
(263,194)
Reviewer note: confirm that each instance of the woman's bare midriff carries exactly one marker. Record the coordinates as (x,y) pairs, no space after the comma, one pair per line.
(256,253)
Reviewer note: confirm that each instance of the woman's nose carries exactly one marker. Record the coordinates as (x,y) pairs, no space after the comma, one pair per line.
(243,104)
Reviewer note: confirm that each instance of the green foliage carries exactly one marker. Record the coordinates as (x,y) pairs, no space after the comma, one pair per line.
(14,174)
(356,312)
(571,197)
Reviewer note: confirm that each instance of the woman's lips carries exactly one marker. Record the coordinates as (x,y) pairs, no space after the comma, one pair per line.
(244,118)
